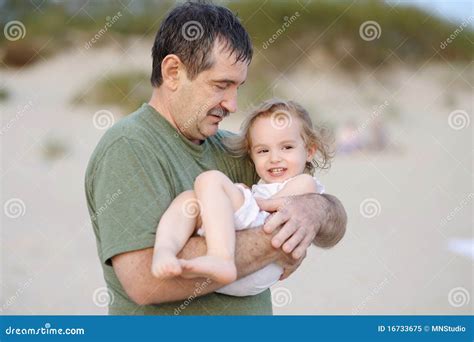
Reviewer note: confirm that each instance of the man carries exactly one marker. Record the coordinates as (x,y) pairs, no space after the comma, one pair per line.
(154,154)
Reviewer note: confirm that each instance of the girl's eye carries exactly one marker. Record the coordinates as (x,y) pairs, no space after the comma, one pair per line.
(288,147)
(262,151)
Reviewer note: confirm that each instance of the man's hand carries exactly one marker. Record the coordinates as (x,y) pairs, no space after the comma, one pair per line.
(303,219)
(289,264)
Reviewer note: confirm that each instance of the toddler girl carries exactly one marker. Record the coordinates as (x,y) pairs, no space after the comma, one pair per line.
(282,143)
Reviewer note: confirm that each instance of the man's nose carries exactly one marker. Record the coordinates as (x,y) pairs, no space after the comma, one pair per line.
(230,103)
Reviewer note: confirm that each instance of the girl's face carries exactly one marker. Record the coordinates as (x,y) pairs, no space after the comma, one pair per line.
(279,153)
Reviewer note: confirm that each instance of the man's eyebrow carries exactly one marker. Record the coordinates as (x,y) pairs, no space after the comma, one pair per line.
(228,81)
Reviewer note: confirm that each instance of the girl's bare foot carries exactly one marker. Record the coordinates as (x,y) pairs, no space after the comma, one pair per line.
(219,269)
(165,265)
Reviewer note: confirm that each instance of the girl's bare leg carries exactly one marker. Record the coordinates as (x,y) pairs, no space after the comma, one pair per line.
(176,226)
(219,198)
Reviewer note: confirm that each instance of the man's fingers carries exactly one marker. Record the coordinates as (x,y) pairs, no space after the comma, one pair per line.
(294,241)
(301,249)
(287,271)
(285,274)
(292,266)
(277,219)
(285,232)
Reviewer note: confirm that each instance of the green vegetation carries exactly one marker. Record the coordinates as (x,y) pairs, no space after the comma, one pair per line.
(127,90)
(411,33)
(59,25)
(329,24)
(54,148)
(3,94)
(285,36)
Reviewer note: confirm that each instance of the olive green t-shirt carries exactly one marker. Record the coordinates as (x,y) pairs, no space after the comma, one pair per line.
(139,166)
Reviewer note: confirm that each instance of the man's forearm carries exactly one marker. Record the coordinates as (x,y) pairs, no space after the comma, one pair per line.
(333,227)
(253,251)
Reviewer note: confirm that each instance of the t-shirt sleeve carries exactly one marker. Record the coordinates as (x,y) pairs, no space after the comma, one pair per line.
(131,191)
(245,172)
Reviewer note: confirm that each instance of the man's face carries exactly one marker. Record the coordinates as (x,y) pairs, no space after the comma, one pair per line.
(201,104)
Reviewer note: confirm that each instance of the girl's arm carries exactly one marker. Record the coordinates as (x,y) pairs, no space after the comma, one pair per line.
(299,185)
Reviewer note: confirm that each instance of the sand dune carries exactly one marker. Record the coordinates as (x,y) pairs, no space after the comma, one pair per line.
(396,262)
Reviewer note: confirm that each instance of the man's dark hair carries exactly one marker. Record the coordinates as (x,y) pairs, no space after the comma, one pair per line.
(190,30)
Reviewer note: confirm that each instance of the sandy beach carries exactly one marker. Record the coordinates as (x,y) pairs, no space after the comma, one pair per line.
(407,205)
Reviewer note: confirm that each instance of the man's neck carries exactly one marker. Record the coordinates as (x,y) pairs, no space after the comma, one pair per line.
(158,101)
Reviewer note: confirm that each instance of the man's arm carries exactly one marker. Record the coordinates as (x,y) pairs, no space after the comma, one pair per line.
(299,185)
(333,226)
(253,251)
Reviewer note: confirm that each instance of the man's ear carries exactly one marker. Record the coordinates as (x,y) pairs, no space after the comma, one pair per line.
(171,68)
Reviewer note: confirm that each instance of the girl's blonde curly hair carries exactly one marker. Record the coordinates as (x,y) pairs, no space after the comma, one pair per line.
(282,113)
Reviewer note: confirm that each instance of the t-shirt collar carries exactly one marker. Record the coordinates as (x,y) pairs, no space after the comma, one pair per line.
(173,132)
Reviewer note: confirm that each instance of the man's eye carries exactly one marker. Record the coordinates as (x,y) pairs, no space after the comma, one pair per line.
(220,87)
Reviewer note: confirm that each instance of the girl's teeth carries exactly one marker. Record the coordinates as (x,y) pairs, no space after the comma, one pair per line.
(276,170)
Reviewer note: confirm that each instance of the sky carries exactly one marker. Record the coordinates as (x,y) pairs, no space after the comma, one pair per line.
(454,11)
